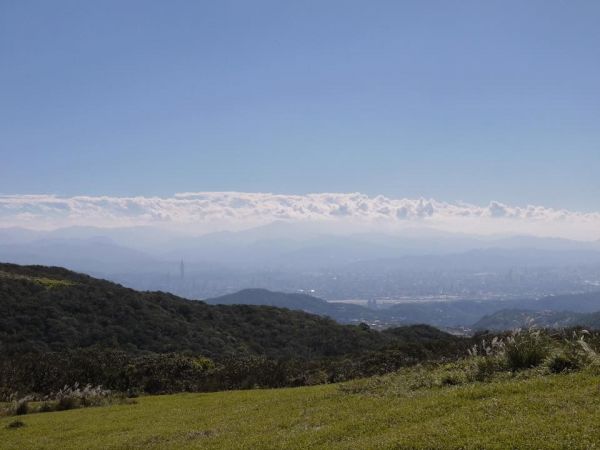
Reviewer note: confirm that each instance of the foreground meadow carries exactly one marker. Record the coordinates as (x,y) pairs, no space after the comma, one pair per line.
(533,411)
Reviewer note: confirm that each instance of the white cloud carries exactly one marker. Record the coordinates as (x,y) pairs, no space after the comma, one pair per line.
(209,211)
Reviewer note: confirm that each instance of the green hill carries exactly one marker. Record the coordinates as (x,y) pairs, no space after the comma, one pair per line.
(58,327)
(510,319)
(436,313)
(45,308)
(341,312)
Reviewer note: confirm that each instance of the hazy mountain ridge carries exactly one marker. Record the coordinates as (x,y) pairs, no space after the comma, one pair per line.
(290,258)
(559,311)
(94,254)
(288,239)
(512,319)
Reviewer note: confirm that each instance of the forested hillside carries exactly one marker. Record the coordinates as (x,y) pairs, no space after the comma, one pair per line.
(59,327)
(54,309)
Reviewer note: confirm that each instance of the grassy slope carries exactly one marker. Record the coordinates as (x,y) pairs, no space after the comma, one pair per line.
(559,411)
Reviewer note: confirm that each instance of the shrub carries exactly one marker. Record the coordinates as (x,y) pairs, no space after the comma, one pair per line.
(487,367)
(526,349)
(316,377)
(452,379)
(132,393)
(22,408)
(451,374)
(563,362)
(45,407)
(575,354)
(67,402)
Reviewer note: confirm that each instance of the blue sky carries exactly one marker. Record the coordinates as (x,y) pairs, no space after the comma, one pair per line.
(454,100)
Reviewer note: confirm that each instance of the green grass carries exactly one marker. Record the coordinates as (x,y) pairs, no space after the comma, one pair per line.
(52,283)
(531,411)
(44,281)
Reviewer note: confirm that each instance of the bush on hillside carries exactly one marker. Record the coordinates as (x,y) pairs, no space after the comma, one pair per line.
(22,407)
(487,367)
(574,354)
(526,349)
(564,362)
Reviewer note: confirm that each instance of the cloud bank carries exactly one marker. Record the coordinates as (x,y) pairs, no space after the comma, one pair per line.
(202,212)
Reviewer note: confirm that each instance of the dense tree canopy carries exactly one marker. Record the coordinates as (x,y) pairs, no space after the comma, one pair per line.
(44,309)
(59,327)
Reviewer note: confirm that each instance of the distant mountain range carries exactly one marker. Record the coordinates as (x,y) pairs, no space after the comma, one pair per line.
(291,258)
(92,255)
(282,244)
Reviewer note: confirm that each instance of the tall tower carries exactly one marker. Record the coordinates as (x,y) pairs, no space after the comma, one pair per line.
(181,270)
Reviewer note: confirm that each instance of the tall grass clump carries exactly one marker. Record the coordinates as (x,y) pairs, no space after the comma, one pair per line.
(526,349)
(490,358)
(18,406)
(574,354)
(71,397)
(520,355)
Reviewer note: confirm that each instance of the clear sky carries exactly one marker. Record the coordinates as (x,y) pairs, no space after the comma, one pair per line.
(454,100)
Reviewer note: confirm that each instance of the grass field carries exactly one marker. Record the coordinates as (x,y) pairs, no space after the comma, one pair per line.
(552,411)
